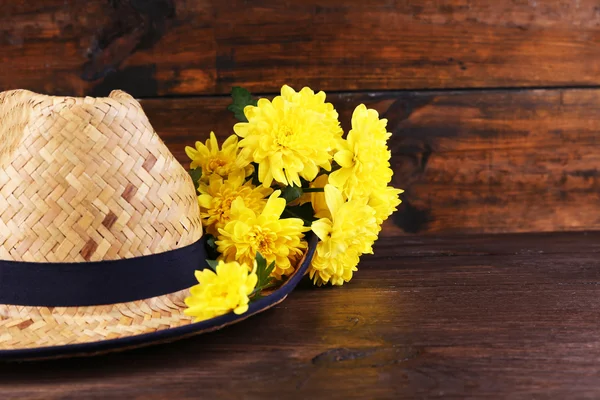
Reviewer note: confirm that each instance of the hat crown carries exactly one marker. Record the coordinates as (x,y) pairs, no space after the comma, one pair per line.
(88,179)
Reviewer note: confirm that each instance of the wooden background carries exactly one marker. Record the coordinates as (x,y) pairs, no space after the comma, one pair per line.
(493,104)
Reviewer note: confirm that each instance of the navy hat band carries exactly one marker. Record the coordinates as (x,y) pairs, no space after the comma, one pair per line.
(100,282)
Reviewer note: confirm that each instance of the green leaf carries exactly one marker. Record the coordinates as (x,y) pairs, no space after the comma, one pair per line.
(241,99)
(270,269)
(212,264)
(211,247)
(261,261)
(196,174)
(305,212)
(261,266)
(263,273)
(291,193)
(210,241)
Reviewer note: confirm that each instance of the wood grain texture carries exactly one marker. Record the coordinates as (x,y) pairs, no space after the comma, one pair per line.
(502,316)
(489,161)
(168,47)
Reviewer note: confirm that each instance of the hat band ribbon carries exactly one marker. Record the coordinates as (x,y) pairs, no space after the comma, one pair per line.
(100,282)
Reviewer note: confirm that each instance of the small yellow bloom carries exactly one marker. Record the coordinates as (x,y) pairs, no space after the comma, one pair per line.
(213,161)
(291,137)
(350,232)
(342,271)
(248,232)
(384,201)
(221,293)
(363,156)
(216,197)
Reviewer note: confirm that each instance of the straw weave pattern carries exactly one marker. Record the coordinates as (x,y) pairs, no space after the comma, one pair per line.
(88,179)
(26,327)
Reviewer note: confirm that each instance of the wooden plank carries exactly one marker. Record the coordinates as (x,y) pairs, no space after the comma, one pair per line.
(490,161)
(444,121)
(165,47)
(476,326)
(429,246)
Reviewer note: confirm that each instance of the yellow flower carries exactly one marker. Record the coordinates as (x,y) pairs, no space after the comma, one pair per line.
(350,231)
(291,137)
(384,201)
(213,161)
(363,156)
(306,98)
(220,293)
(248,232)
(216,197)
(342,271)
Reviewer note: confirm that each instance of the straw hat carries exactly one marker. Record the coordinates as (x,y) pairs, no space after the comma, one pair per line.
(100,230)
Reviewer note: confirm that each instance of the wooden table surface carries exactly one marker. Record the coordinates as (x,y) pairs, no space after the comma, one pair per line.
(425,317)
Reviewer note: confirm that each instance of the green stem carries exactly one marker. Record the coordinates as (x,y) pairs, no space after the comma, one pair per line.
(260,289)
(334,168)
(294,215)
(313,190)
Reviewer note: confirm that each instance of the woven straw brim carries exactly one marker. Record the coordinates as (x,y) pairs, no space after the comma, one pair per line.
(24,327)
(50,332)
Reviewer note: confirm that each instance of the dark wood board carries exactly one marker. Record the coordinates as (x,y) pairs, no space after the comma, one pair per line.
(186,47)
(501,316)
(470,161)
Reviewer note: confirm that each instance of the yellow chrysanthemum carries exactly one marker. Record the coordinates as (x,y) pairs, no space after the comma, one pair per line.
(216,197)
(342,271)
(384,201)
(291,137)
(349,233)
(363,156)
(213,161)
(306,98)
(248,232)
(221,292)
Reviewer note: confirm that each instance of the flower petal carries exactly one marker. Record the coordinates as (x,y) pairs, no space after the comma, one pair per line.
(344,158)
(321,228)
(340,177)
(333,198)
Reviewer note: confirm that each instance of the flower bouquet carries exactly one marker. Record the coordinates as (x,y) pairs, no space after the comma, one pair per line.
(288,170)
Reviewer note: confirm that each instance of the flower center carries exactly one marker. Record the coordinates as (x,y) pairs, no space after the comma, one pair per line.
(216,163)
(224,207)
(284,135)
(264,241)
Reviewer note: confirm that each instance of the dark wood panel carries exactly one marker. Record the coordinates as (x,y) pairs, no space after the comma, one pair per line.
(491,161)
(429,246)
(487,324)
(204,47)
